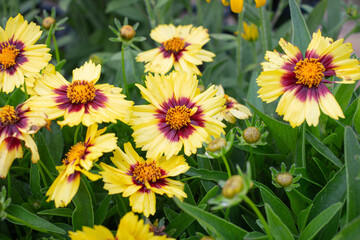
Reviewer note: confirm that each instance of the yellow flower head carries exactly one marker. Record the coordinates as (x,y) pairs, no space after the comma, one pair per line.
(177,115)
(237,5)
(141,179)
(180,47)
(301,80)
(82,101)
(19,55)
(250,33)
(130,227)
(16,125)
(79,160)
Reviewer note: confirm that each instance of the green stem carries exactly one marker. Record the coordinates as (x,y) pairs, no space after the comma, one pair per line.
(48,39)
(200,17)
(9,184)
(43,166)
(56,49)
(150,13)
(253,164)
(253,50)
(43,177)
(303,157)
(227,166)
(260,216)
(76,133)
(124,73)
(263,30)
(239,50)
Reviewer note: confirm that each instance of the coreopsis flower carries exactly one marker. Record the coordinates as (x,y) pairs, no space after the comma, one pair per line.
(301,80)
(79,160)
(180,47)
(233,109)
(45,74)
(19,55)
(16,125)
(130,227)
(250,33)
(141,179)
(82,101)
(237,5)
(178,115)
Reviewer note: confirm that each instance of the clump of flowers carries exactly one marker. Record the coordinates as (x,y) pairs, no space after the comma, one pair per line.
(285,179)
(250,33)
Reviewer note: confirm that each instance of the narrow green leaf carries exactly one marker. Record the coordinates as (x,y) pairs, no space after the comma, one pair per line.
(252,95)
(316,16)
(223,36)
(352,165)
(319,222)
(83,214)
(303,217)
(61,212)
(207,174)
(300,36)
(225,229)
(210,194)
(277,228)
(334,9)
(180,224)
(351,231)
(297,201)
(255,236)
(34,179)
(343,94)
(100,213)
(356,118)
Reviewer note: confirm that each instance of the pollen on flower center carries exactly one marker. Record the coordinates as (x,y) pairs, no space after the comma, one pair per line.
(175,45)
(8,56)
(178,117)
(309,72)
(147,171)
(76,152)
(81,91)
(8,115)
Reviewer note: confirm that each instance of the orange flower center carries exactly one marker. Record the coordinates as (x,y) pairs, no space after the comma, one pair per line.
(81,91)
(174,45)
(76,152)
(147,171)
(309,72)
(8,56)
(8,115)
(178,117)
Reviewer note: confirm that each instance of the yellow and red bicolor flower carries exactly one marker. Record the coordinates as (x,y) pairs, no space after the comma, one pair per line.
(130,227)
(82,101)
(301,81)
(180,47)
(177,115)
(141,179)
(16,125)
(79,160)
(237,5)
(19,55)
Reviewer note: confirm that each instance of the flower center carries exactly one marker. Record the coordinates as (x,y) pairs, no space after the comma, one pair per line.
(81,91)
(8,115)
(309,72)
(76,152)
(147,171)
(178,117)
(174,45)
(8,56)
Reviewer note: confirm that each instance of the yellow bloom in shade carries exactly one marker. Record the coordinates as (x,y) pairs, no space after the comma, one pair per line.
(79,160)
(233,109)
(141,179)
(16,125)
(130,228)
(178,115)
(19,55)
(301,80)
(237,5)
(250,32)
(82,101)
(180,47)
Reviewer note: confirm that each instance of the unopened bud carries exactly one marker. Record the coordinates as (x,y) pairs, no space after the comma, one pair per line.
(47,22)
(207,238)
(216,144)
(233,186)
(284,179)
(251,135)
(127,32)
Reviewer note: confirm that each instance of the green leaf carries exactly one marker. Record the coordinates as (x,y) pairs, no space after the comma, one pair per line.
(100,213)
(206,174)
(277,228)
(255,236)
(334,9)
(61,212)
(303,217)
(252,95)
(223,36)
(316,16)
(301,36)
(343,94)
(297,201)
(322,149)
(21,216)
(356,118)
(351,231)
(319,222)
(83,214)
(34,179)
(352,165)
(210,194)
(223,228)
(180,224)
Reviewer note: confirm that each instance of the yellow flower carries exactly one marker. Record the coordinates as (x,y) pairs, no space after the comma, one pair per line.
(141,179)
(250,32)
(237,5)
(16,125)
(301,80)
(177,115)
(233,109)
(82,101)
(19,55)
(130,227)
(180,47)
(33,80)
(79,160)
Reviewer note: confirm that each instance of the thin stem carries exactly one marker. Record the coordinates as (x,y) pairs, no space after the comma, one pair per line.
(9,184)
(25,89)
(199,14)
(263,30)
(150,13)
(253,50)
(42,174)
(123,70)
(48,39)
(56,49)
(43,166)
(260,216)
(303,153)
(239,50)
(76,133)
(227,166)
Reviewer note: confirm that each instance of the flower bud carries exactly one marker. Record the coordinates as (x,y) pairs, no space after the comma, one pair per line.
(251,135)
(47,22)
(207,238)
(284,179)
(233,186)
(127,32)
(96,59)
(216,144)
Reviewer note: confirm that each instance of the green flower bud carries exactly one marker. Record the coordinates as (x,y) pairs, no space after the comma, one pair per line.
(207,238)
(284,179)
(127,32)
(233,186)
(216,144)
(47,22)
(251,135)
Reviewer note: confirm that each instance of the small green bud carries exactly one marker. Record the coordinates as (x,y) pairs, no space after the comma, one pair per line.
(216,144)
(233,186)
(127,32)
(251,135)
(47,22)
(284,179)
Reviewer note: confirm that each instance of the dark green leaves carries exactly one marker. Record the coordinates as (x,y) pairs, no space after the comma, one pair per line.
(301,36)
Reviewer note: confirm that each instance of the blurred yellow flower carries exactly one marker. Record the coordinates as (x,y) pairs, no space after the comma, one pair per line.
(237,5)
(250,33)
